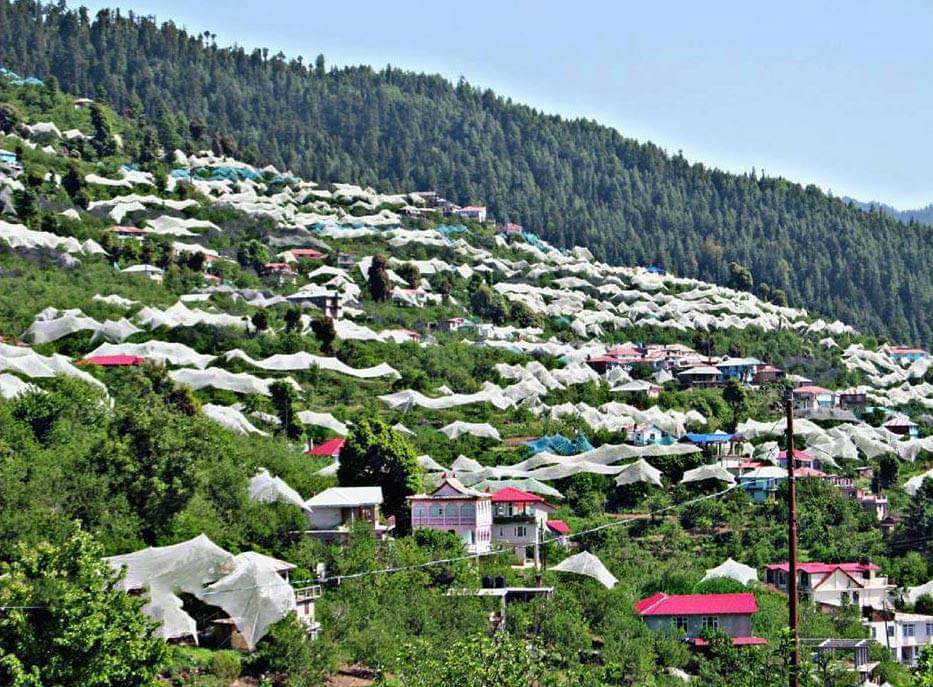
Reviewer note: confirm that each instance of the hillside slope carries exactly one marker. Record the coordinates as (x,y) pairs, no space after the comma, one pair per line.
(924,214)
(573,182)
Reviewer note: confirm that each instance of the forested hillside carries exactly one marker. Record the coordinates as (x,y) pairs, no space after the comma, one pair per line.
(573,182)
(922,215)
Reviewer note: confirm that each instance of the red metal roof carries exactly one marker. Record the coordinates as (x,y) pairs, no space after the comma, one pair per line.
(817,568)
(798,455)
(558,526)
(736,641)
(513,495)
(306,252)
(330,448)
(812,390)
(698,604)
(112,360)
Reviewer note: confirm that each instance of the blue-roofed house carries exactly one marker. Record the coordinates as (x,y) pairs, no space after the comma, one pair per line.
(742,369)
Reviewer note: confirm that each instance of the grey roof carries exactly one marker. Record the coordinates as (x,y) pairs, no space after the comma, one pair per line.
(346,497)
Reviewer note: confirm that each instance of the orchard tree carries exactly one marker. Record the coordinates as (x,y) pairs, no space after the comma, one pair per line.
(72,626)
(380,288)
(325,332)
(377,455)
(410,272)
(284,397)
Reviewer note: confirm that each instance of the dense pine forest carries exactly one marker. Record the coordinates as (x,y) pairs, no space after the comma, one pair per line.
(572,181)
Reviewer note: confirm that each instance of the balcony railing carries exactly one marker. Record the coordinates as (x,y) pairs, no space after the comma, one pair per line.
(310,592)
(442,521)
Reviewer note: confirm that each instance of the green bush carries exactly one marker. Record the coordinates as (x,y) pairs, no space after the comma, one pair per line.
(226,665)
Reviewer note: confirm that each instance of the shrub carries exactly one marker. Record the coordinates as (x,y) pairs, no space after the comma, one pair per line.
(226,665)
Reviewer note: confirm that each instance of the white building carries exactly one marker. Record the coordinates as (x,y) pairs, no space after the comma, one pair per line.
(835,584)
(334,511)
(646,434)
(903,634)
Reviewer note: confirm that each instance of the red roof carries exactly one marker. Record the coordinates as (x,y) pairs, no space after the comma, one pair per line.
(812,390)
(513,495)
(736,641)
(808,472)
(129,230)
(558,526)
(112,360)
(818,568)
(330,448)
(306,253)
(698,604)
(798,455)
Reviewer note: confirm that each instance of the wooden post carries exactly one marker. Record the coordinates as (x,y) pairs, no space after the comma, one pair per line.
(792,543)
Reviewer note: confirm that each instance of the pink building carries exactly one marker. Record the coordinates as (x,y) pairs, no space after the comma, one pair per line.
(457,509)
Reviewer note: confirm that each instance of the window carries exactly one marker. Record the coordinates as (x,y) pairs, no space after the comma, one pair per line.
(680,622)
(710,622)
(908,630)
(468,511)
(890,630)
(929,629)
(521,531)
(437,511)
(418,512)
(452,511)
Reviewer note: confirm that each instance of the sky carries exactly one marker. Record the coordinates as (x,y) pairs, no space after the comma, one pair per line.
(835,93)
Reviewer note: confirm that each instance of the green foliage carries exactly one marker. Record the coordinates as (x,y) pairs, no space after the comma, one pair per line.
(489,304)
(325,332)
(410,273)
(377,455)
(226,665)
(380,287)
(77,629)
(580,183)
(478,661)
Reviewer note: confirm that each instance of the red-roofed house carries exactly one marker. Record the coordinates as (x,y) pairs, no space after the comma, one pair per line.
(113,360)
(811,397)
(519,519)
(330,448)
(296,254)
(510,228)
(693,613)
(477,212)
(833,584)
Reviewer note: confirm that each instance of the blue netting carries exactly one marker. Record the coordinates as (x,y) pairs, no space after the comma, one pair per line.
(559,444)
(451,229)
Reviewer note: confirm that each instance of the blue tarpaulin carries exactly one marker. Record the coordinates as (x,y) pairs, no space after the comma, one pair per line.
(714,438)
(559,444)
(450,229)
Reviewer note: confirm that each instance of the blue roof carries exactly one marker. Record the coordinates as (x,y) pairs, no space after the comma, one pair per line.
(654,269)
(714,438)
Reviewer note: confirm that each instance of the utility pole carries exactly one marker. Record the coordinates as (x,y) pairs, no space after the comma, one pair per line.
(792,543)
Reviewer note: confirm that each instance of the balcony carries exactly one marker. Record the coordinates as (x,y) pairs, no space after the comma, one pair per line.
(308,593)
(524,518)
(442,521)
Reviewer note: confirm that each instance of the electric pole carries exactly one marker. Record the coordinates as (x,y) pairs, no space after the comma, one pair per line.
(792,542)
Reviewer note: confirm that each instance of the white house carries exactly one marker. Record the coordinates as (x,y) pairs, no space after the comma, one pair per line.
(833,584)
(333,512)
(903,634)
(646,434)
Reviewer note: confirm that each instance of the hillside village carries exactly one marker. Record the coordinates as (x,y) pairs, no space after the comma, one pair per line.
(389,430)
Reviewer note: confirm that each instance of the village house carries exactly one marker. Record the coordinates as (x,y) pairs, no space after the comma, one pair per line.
(278,272)
(330,448)
(904,634)
(457,509)
(701,376)
(149,271)
(136,233)
(833,584)
(646,434)
(742,369)
(453,324)
(811,397)
(767,373)
(900,353)
(902,425)
(519,520)
(510,228)
(476,212)
(691,614)
(333,512)
(82,103)
(854,400)
(320,297)
(113,360)
(8,158)
(762,483)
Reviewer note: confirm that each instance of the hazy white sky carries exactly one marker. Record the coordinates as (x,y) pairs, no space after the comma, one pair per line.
(835,93)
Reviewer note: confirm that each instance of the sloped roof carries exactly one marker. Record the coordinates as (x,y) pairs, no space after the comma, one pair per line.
(330,448)
(742,603)
(345,497)
(513,495)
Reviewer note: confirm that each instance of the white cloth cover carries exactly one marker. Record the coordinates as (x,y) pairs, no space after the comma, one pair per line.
(482,430)
(733,570)
(704,472)
(306,361)
(160,351)
(231,418)
(326,420)
(264,488)
(585,563)
(639,471)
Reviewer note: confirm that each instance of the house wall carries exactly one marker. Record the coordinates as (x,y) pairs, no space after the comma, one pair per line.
(905,647)
(732,625)
(325,518)
(469,519)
